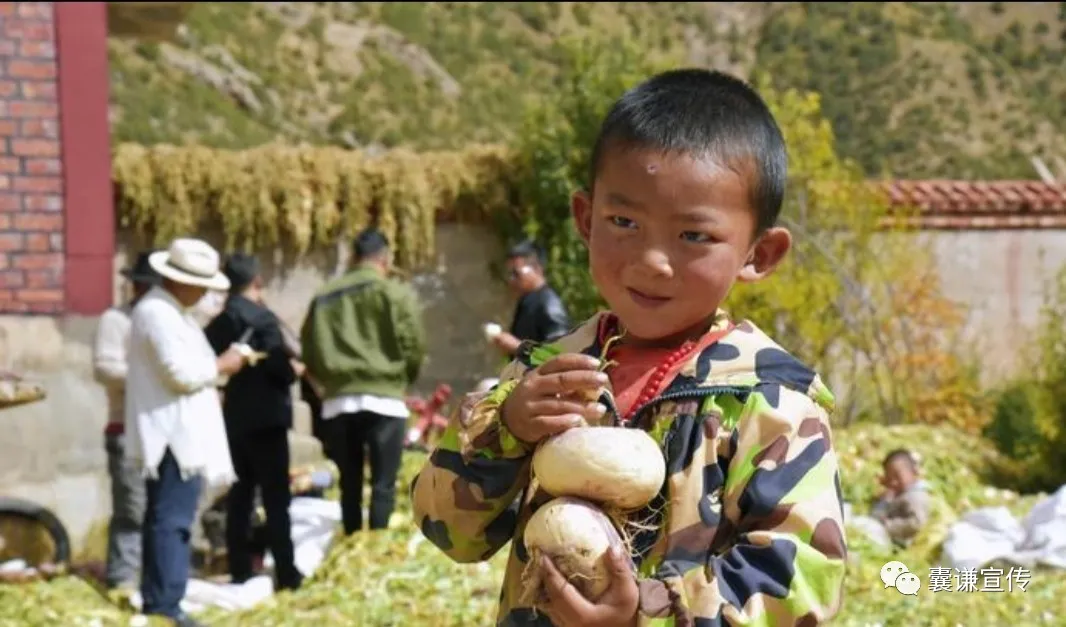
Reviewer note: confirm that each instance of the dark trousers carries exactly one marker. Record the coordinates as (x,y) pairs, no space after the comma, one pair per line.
(168,518)
(261,459)
(355,435)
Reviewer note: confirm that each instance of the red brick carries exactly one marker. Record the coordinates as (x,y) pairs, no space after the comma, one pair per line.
(40,128)
(3,262)
(7,8)
(8,48)
(42,202)
(24,109)
(55,241)
(7,128)
(45,184)
(33,10)
(10,165)
(39,90)
(5,221)
(25,29)
(35,147)
(10,202)
(40,296)
(37,243)
(10,242)
(21,68)
(37,261)
(37,49)
(11,278)
(45,165)
(5,182)
(8,88)
(43,278)
(38,221)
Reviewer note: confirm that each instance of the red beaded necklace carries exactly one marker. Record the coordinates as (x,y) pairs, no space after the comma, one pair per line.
(652,385)
(651,388)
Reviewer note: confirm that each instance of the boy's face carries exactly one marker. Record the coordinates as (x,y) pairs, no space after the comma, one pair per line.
(899,475)
(667,237)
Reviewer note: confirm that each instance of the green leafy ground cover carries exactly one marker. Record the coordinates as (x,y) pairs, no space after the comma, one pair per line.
(393,578)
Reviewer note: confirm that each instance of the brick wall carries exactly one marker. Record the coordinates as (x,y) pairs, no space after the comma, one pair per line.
(31,181)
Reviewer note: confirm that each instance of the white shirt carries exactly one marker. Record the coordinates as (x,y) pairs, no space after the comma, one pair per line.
(380,405)
(110,345)
(171,395)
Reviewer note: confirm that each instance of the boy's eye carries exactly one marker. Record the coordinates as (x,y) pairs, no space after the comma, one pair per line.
(619,221)
(693,236)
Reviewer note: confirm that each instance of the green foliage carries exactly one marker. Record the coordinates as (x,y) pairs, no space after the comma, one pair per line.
(1029,423)
(394,577)
(432,76)
(888,309)
(555,148)
(876,64)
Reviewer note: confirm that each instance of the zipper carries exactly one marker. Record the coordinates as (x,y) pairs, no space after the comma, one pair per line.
(681,394)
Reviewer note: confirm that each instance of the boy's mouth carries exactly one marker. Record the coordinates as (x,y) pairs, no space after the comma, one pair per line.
(647,300)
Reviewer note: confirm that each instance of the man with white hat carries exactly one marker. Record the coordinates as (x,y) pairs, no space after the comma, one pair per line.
(174,416)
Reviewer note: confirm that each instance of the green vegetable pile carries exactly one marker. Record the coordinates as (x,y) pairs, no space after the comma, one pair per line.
(395,577)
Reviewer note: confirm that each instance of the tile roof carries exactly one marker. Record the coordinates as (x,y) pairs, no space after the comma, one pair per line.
(940,196)
(981,204)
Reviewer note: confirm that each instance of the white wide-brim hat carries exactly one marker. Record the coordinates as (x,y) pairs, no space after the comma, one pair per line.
(190,262)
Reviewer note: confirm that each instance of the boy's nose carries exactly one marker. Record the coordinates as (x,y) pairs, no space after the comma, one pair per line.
(656,263)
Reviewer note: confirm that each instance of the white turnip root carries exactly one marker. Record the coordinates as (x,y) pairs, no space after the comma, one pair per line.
(618,468)
(576,535)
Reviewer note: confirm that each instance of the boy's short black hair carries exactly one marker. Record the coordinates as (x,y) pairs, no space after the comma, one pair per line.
(528,250)
(706,114)
(901,453)
(241,269)
(370,243)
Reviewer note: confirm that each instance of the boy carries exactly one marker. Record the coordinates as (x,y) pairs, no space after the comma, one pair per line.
(687,179)
(903,507)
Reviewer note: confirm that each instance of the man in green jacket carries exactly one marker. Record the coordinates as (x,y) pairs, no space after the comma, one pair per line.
(363,343)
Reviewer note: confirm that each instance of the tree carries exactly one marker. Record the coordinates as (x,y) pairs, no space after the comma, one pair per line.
(858,301)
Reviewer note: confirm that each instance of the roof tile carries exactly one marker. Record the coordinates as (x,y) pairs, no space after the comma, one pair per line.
(977,197)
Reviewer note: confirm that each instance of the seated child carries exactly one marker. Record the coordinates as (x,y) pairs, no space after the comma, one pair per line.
(685,185)
(903,507)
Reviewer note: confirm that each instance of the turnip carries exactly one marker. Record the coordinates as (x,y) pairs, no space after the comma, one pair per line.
(618,468)
(576,535)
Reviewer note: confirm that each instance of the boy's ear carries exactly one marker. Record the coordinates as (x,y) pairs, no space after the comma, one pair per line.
(581,210)
(769,250)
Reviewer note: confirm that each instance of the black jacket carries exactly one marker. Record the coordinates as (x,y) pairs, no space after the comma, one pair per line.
(260,396)
(540,316)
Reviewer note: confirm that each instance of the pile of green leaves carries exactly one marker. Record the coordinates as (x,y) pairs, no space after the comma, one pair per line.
(395,577)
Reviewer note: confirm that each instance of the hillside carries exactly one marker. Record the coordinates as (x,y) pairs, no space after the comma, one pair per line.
(961,90)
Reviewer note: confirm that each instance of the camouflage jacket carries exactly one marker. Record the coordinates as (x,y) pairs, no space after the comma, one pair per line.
(749,521)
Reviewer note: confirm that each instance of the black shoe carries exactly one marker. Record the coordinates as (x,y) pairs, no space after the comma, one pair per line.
(291,582)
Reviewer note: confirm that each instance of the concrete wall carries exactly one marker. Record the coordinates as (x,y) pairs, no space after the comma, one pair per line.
(1002,277)
(52,452)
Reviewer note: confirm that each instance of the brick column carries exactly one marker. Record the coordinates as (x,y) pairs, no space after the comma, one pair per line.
(31,181)
(57,223)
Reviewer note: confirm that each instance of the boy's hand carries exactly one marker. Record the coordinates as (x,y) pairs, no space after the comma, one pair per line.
(543,403)
(616,608)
